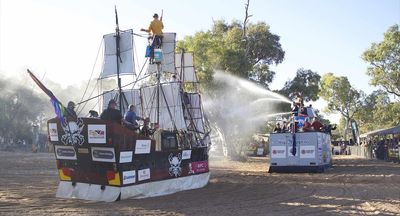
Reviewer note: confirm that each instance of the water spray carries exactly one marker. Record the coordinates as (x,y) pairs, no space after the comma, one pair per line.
(239,108)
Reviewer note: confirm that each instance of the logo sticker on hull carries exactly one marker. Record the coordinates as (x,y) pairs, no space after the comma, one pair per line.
(144,174)
(72,132)
(125,157)
(103,154)
(186,154)
(97,134)
(198,167)
(53,133)
(65,152)
(175,165)
(129,177)
(142,146)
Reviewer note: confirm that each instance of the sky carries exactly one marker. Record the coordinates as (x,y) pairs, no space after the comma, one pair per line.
(60,39)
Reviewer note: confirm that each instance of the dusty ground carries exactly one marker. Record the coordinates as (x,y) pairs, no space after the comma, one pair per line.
(353,187)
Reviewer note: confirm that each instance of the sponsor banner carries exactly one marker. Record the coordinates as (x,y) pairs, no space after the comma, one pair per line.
(129,177)
(125,157)
(83,150)
(186,154)
(65,152)
(198,167)
(143,174)
(307,151)
(96,133)
(103,154)
(278,151)
(142,146)
(53,133)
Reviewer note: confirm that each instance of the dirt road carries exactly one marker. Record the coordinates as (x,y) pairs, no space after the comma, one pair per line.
(353,187)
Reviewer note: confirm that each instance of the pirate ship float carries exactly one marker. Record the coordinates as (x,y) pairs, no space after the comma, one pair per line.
(105,161)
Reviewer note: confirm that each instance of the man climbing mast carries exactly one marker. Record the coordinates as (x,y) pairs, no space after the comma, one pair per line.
(155,28)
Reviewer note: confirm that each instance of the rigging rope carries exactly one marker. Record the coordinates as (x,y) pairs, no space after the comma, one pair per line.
(112,90)
(140,35)
(87,85)
(137,79)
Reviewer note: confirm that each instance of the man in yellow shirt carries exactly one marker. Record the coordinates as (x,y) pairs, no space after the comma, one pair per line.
(156,26)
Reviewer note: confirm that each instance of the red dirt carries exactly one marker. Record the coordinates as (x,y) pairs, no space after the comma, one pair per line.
(353,187)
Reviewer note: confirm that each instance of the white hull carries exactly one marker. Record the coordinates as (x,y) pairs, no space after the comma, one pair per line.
(151,189)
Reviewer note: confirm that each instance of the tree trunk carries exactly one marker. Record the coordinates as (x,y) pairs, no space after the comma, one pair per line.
(346,127)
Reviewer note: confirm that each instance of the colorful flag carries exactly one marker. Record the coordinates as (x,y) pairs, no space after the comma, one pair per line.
(59,109)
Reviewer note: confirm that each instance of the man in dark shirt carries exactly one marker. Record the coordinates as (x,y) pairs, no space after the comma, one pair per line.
(70,111)
(277,128)
(295,109)
(112,113)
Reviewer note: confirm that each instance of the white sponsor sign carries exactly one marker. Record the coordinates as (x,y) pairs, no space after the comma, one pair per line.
(143,174)
(65,152)
(103,154)
(129,177)
(125,157)
(186,154)
(53,133)
(260,151)
(278,151)
(307,151)
(96,133)
(142,146)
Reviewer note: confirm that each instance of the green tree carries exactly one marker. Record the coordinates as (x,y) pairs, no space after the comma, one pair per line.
(367,116)
(341,97)
(305,82)
(225,48)
(20,108)
(384,60)
(378,112)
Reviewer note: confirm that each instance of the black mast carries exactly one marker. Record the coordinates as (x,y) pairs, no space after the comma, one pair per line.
(158,93)
(117,39)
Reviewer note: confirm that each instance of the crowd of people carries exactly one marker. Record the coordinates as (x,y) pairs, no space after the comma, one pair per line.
(112,114)
(384,148)
(303,120)
(315,125)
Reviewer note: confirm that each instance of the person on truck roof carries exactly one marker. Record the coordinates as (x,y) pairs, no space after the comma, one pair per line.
(317,125)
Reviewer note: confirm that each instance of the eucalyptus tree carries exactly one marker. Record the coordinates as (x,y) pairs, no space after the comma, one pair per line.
(341,97)
(384,61)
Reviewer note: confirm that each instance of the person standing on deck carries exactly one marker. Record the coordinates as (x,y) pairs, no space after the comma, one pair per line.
(70,111)
(112,113)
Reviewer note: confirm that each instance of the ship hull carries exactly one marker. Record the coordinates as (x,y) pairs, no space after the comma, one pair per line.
(103,161)
(96,192)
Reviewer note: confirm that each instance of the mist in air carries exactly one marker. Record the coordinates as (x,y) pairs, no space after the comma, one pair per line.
(239,108)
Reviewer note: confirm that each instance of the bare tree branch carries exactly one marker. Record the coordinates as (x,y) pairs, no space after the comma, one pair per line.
(246,18)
